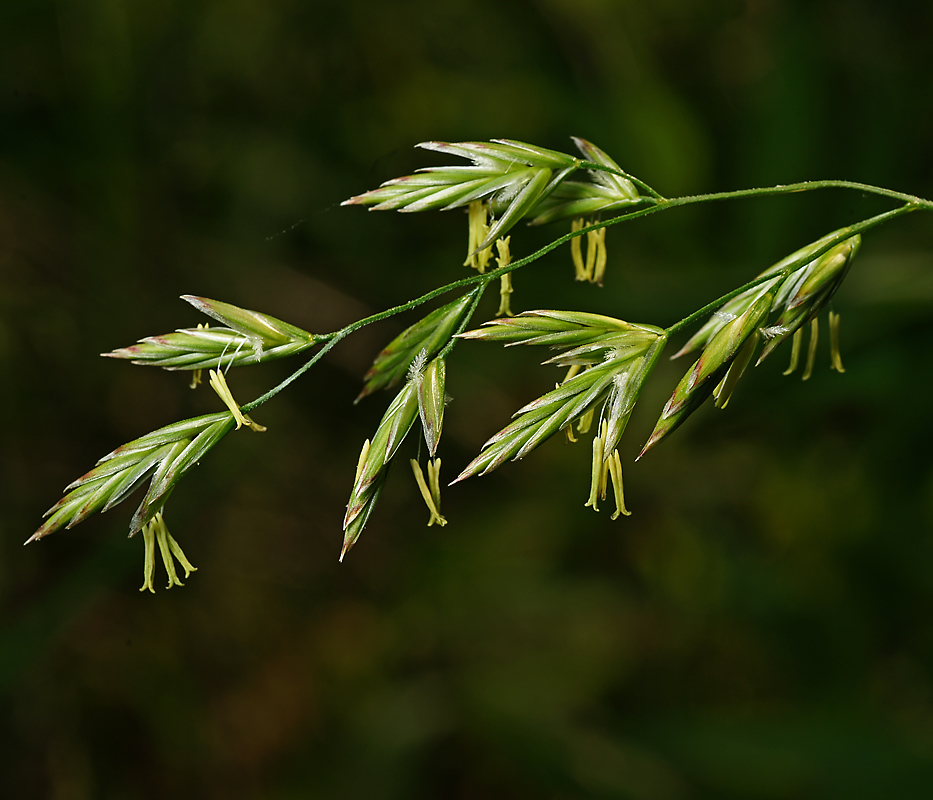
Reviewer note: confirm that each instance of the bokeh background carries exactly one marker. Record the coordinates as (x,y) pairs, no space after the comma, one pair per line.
(759,628)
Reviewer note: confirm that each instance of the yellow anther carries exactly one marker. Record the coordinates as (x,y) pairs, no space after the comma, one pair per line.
(505,282)
(586,421)
(196,374)
(431,493)
(598,472)
(603,470)
(219,384)
(795,347)
(576,250)
(834,353)
(148,558)
(596,243)
(434,482)
(478,231)
(504,257)
(156,532)
(574,370)
(593,267)
(615,472)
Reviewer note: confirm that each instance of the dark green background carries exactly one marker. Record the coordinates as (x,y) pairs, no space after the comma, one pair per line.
(759,628)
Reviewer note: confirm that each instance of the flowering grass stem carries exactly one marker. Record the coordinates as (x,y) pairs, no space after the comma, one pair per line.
(480,282)
(609,359)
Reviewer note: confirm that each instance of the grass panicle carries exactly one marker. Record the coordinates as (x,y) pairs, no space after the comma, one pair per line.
(608,360)
(163,456)
(622,363)
(509,177)
(375,458)
(248,338)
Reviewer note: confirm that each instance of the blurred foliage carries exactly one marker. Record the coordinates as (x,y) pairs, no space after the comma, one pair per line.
(758,629)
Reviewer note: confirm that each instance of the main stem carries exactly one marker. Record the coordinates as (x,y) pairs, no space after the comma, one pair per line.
(804,186)
(911,203)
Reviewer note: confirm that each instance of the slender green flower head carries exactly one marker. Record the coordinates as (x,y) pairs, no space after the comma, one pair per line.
(537,421)
(248,338)
(710,368)
(363,504)
(375,458)
(618,370)
(428,336)
(607,190)
(731,310)
(163,456)
(790,272)
(253,324)
(564,329)
(723,391)
(509,176)
(725,344)
(612,177)
(806,291)
(626,386)
(395,424)
(431,402)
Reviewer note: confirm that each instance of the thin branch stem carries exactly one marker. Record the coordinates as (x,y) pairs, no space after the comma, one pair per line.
(334,338)
(331,339)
